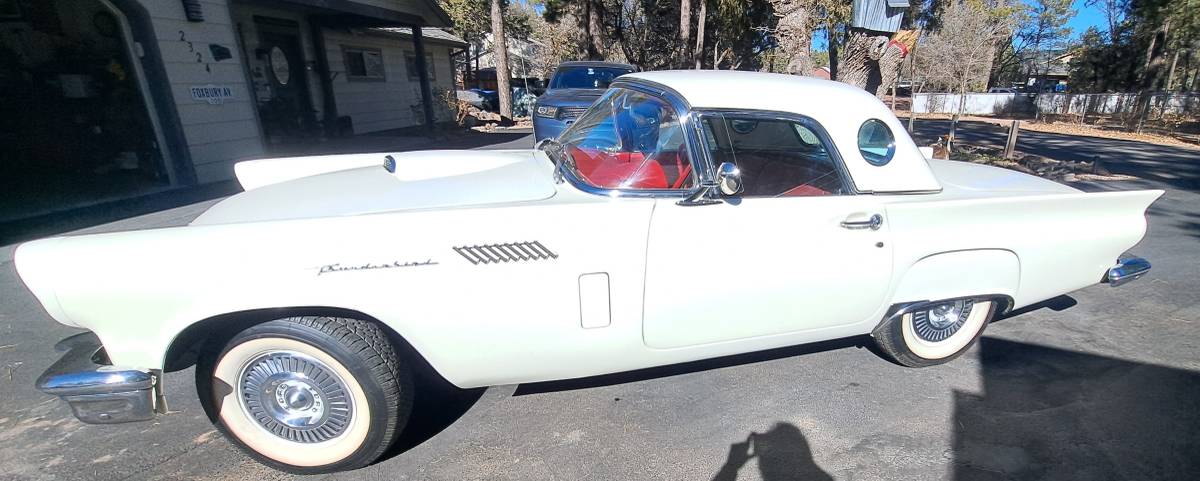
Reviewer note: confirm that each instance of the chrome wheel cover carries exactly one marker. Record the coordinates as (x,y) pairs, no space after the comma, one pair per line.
(939,322)
(295,397)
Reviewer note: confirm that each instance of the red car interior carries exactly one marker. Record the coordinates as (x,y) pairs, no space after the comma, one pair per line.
(765,174)
(631,170)
(786,174)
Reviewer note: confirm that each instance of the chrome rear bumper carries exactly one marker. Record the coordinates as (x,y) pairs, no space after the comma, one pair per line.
(1129,268)
(98,393)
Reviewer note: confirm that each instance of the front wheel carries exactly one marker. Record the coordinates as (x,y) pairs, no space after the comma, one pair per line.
(309,394)
(933,333)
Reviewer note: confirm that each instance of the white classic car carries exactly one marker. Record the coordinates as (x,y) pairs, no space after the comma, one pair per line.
(680,218)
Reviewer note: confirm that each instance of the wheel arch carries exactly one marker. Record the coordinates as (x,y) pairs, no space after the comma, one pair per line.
(214,331)
(993,273)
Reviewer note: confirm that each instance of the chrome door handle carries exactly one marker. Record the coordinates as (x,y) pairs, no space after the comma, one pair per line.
(873,223)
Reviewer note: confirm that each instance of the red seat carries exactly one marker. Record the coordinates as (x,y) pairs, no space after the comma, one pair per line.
(804,191)
(618,170)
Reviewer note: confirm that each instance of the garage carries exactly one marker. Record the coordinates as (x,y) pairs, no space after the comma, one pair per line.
(76,127)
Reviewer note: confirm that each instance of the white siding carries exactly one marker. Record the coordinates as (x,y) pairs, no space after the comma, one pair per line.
(217,135)
(384,105)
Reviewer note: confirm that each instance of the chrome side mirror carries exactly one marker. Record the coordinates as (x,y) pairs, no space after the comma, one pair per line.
(729,178)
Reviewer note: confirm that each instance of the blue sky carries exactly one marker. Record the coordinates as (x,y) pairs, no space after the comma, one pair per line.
(1086,17)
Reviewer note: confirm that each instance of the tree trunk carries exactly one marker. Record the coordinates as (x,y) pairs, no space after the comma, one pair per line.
(856,63)
(685,31)
(1185,82)
(831,42)
(500,51)
(1154,64)
(699,52)
(962,105)
(475,60)
(889,68)
(1171,72)
(594,30)
(1110,13)
(794,35)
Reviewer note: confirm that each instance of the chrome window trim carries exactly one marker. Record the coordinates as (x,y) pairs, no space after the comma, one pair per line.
(816,127)
(701,168)
(891,153)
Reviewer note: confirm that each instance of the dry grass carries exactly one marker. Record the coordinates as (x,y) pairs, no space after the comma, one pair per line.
(1053,169)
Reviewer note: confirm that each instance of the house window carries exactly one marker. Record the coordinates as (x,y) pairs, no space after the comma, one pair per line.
(363,63)
(410,63)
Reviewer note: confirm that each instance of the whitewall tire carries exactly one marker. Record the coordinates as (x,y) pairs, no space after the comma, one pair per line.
(309,394)
(934,333)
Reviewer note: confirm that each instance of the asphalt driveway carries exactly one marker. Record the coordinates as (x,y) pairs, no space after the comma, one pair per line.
(1101,385)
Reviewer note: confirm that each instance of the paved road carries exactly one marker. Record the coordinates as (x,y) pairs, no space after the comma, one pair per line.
(1174,166)
(1101,386)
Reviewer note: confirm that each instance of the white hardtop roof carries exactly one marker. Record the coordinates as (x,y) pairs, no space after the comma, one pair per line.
(840,108)
(754,90)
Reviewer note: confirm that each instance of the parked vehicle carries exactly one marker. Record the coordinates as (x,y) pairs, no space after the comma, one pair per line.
(472,98)
(675,220)
(573,88)
(489,99)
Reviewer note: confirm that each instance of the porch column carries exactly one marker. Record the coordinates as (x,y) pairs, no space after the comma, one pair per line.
(423,76)
(328,102)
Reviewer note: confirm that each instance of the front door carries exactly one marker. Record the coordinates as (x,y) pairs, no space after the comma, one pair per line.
(793,252)
(284,104)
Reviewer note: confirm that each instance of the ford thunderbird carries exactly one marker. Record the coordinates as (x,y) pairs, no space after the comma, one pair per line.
(677,219)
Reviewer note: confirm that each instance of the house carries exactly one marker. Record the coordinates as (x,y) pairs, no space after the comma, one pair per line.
(1047,71)
(108,99)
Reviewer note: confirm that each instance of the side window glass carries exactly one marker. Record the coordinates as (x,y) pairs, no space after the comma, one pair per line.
(876,142)
(629,140)
(777,157)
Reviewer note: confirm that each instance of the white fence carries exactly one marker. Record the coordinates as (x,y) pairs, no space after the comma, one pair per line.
(1056,103)
(977,104)
(1117,104)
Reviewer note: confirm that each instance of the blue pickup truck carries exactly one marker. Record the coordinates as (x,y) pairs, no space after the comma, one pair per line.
(573,88)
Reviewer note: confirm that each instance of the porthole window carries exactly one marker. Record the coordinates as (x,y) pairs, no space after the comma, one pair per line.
(876,142)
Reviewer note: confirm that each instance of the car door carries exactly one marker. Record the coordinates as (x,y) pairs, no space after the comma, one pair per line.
(797,250)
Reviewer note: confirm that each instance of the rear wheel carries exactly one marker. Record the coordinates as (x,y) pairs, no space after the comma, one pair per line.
(934,333)
(309,394)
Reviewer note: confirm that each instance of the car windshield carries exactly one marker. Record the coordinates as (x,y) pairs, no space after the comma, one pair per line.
(583,77)
(628,140)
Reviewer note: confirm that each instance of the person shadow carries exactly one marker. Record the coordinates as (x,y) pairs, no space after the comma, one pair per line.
(782,454)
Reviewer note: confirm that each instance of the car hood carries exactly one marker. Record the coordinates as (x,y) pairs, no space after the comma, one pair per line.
(422,180)
(570,97)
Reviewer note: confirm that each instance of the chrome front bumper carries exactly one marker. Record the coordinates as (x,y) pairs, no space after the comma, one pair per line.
(99,393)
(1129,268)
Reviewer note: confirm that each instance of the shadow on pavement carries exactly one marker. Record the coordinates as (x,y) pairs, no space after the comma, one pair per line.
(75,219)
(437,404)
(690,367)
(1048,413)
(782,454)
(391,143)
(476,140)
(1056,304)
